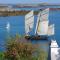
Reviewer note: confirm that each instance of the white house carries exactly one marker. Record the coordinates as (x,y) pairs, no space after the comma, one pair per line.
(54,50)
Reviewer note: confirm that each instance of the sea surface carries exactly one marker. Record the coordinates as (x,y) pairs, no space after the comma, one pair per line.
(17,25)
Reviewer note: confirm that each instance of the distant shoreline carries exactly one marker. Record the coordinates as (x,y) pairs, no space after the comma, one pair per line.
(15,13)
(20,12)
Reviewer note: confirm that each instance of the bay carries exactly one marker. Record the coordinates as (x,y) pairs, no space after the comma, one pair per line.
(17,25)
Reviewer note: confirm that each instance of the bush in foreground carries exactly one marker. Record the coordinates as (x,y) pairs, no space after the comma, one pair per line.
(20,49)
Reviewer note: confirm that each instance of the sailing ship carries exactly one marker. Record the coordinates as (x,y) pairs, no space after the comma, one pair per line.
(42,30)
(42,22)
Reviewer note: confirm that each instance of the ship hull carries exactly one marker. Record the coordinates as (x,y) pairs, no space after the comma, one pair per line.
(33,37)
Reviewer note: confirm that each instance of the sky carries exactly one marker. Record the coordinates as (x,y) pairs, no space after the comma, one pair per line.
(29,1)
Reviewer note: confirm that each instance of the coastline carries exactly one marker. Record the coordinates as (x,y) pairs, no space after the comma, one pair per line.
(20,12)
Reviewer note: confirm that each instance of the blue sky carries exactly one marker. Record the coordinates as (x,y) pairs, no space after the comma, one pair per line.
(29,1)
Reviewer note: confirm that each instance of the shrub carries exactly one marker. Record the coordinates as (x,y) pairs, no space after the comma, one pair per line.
(18,48)
(1,56)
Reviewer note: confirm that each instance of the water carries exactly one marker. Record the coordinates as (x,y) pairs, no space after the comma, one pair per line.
(17,26)
(55,18)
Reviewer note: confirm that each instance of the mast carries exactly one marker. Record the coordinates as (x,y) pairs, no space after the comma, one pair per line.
(38,22)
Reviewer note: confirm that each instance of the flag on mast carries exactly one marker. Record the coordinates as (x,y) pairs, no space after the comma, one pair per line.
(29,22)
(51,30)
(42,22)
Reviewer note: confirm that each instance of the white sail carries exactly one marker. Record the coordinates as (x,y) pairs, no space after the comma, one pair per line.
(51,30)
(8,26)
(44,14)
(45,11)
(42,28)
(29,22)
(42,22)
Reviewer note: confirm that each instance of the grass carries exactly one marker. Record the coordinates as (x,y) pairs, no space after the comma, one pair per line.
(1,55)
